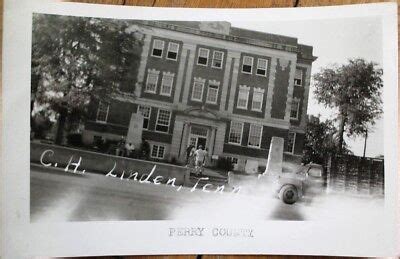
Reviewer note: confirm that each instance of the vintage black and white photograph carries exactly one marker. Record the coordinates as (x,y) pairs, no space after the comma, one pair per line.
(241,120)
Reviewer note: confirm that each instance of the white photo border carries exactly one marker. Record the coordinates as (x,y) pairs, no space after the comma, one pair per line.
(20,238)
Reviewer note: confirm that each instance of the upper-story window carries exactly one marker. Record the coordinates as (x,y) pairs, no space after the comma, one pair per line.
(145,111)
(294,110)
(243,97)
(172,52)
(235,133)
(212,92)
(152,80)
(218,59)
(262,65)
(166,83)
(158,46)
(202,59)
(247,66)
(255,133)
(163,119)
(298,77)
(102,112)
(258,97)
(197,91)
(291,141)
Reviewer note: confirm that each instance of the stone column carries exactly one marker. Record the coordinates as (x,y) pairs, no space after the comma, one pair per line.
(233,85)
(289,96)
(275,156)
(303,122)
(227,75)
(135,130)
(176,138)
(142,65)
(219,139)
(271,86)
(184,144)
(189,70)
(212,140)
(181,71)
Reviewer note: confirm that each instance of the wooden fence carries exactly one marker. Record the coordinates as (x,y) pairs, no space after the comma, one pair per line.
(356,175)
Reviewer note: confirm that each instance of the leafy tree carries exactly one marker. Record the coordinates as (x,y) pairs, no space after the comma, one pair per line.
(354,90)
(319,141)
(78,59)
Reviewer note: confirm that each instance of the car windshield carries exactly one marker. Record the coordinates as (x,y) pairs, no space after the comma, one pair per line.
(315,172)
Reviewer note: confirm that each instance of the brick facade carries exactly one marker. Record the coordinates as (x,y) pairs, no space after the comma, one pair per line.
(205,84)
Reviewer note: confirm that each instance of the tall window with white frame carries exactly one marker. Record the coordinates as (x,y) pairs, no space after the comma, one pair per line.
(262,65)
(152,80)
(172,52)
(298,77)
(102,112)
(202,58)
(294,110)
(163,120)
(247,65)
(255,134)
(212,92)
(158,47)
(243,97)
(258,97)
(291,142)
(197,91)
(145,111)
(157,151)
(235,133)
(166,83)
(218,59)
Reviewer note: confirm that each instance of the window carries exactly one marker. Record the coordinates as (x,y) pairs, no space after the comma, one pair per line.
(234,161)
(172,52)
(212,92)
(197,91)
(145,111)
(262,67)
(157,151)
(235,133)
(291,141)
(298,77)
(102,112)
(163,119)
(247,65)
(294,110)
(258,96)
(255,136)
(151,82)
(243,97)
(158,46)
(218,59)
(202,59)
(166,84)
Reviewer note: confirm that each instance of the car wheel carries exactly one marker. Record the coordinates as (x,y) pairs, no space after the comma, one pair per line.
(288,194)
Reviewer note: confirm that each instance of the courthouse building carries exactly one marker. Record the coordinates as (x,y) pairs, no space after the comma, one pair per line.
(208,83)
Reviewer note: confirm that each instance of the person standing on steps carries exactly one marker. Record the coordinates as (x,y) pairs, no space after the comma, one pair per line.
(200,155)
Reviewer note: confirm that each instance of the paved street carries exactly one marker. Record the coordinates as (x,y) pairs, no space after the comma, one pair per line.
(60,196)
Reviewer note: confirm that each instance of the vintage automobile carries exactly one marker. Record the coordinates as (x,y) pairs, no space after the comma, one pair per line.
(307,181)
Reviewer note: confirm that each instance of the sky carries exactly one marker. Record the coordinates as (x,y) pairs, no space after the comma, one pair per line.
(335,41)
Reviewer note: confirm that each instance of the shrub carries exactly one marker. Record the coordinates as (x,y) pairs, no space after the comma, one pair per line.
(74,139)
(224,163)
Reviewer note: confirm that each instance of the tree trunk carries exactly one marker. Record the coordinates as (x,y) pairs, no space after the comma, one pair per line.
(365,142)
(341,132)
(62,118)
